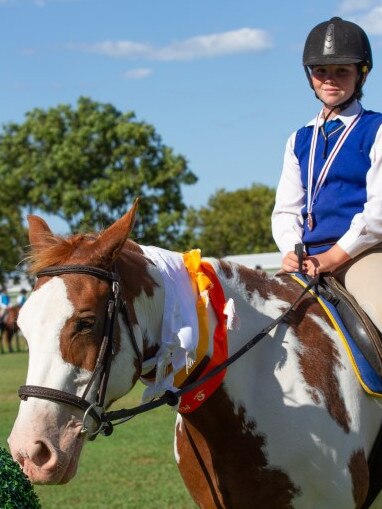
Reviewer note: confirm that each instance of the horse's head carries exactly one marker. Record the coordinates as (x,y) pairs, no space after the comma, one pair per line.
(76,321)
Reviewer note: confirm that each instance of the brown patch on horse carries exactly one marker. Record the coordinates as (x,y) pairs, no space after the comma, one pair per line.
(258,281)
(133,268)
(233,469)
(196,466)
(253,280)
(226,268)
(80,345)
(149,349)
(89,296)
(359,472)
(319,357)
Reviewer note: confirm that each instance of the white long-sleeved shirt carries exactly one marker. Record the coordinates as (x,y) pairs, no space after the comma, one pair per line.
(365,230)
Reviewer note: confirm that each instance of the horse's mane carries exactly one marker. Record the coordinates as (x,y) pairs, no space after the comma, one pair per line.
(56,251)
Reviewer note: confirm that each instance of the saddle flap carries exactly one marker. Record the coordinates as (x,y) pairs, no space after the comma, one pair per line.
(357,322)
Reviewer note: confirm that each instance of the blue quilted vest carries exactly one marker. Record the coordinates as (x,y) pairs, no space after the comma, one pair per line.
(343,193)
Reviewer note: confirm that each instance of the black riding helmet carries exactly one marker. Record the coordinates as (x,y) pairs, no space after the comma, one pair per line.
(338,42)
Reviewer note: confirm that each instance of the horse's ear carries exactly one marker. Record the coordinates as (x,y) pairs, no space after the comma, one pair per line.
(40,234)
(113,238)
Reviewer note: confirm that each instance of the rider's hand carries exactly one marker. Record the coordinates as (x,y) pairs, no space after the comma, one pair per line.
(290,262)
(326,262)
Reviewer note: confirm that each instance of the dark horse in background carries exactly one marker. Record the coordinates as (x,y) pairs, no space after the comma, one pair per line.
(10,329)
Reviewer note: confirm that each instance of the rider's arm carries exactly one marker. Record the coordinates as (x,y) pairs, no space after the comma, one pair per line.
(366,227)
(287,227)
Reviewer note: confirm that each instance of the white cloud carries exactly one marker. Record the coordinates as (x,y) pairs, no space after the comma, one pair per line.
(372,21)
(136,74)
(347,6)
(126,49)
(366,13)
(204,46)
(27,52)
(235,41)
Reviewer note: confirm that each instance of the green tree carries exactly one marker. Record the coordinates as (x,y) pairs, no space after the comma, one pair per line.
(13,239)
(87,165)
(237,222)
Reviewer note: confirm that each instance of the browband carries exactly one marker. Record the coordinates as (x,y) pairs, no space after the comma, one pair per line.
(57,270)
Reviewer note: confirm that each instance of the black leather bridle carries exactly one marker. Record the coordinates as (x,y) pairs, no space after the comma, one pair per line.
(103,363)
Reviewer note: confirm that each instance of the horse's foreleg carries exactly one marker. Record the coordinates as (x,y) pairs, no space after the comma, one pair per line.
(196,469)
(17,336)
(8,335)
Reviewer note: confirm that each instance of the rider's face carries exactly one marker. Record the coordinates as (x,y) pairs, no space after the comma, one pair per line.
(334,84)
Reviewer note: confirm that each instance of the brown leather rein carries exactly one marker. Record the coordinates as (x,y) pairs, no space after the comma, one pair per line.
(103,364)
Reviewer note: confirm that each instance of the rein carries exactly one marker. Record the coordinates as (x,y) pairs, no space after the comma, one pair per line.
(171,398)
(103,365)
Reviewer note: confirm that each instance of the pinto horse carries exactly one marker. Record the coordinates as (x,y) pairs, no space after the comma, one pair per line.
(285,426)
(9,329)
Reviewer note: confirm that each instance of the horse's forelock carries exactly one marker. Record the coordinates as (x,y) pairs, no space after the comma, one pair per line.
(59,251)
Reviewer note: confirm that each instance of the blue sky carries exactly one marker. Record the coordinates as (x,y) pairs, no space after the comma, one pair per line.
(220,80)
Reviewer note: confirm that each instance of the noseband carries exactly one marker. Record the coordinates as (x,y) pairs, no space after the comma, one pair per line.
(103,364)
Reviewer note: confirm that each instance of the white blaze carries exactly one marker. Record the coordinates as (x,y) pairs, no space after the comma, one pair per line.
(41,321)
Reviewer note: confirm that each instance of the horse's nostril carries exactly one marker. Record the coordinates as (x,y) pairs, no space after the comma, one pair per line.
(40,454)
(20,459)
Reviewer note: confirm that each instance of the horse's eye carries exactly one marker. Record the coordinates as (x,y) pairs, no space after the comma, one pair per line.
(84,325)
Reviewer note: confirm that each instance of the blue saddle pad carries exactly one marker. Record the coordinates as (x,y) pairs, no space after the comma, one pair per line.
(370,380)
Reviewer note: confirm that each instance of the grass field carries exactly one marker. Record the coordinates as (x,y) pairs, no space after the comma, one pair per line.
(134,468)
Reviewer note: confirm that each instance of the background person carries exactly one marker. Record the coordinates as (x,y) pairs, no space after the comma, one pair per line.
(5,302)
(22,297)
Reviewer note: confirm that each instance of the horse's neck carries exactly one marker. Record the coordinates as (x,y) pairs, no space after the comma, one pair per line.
(148,308)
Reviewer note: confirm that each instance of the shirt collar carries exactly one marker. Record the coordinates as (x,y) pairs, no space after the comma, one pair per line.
(346,116)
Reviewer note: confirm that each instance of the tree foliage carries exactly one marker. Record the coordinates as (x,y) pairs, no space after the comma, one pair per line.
(16,492)
(87,165)
(13,239)
(237,222)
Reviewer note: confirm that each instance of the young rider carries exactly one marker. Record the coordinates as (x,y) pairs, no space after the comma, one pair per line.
(330,192)
(22,297)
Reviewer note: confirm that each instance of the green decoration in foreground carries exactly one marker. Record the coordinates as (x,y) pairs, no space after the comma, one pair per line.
(16,491)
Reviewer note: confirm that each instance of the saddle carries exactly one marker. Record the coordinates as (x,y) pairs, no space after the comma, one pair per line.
(357,322)
(363,331)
